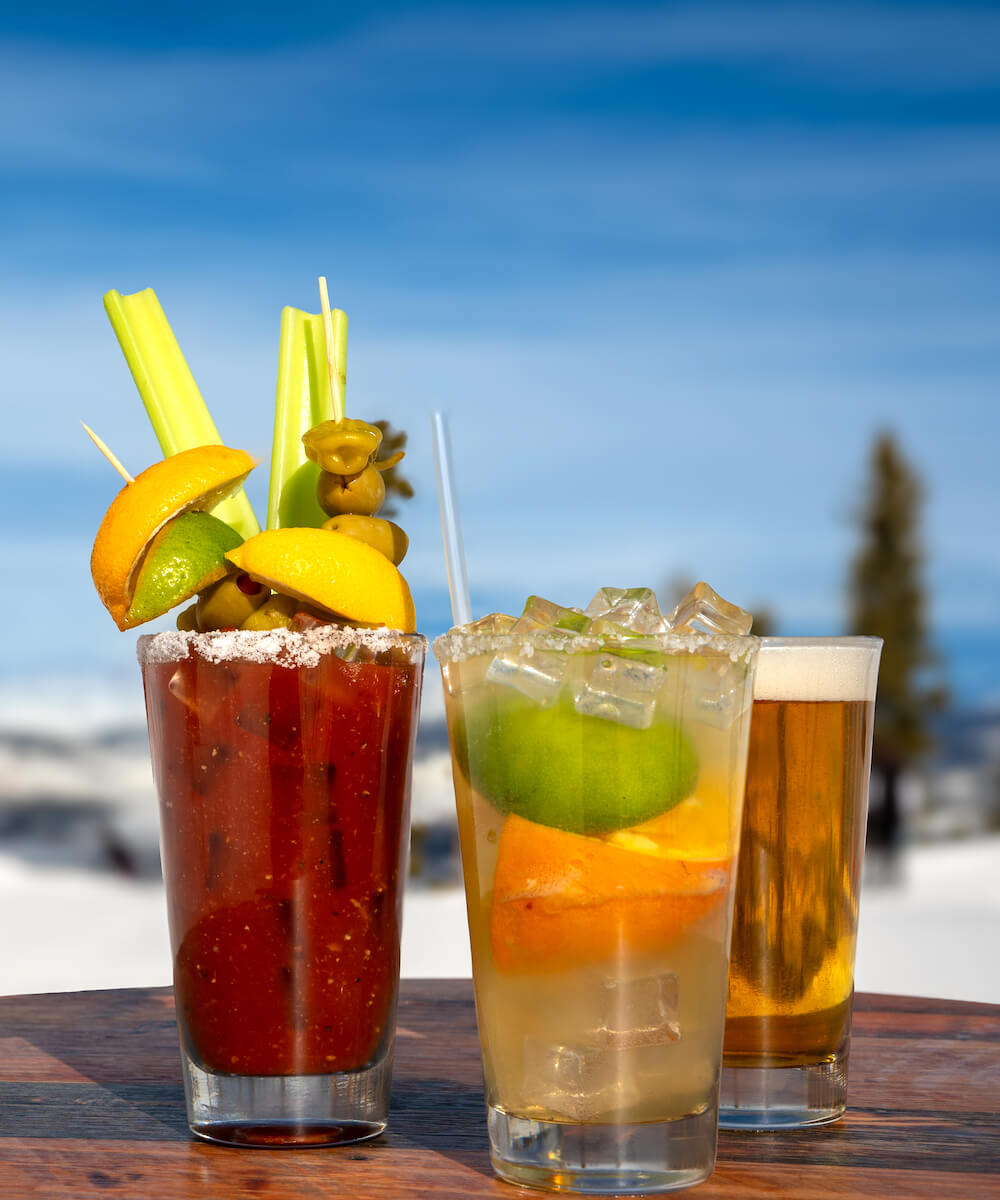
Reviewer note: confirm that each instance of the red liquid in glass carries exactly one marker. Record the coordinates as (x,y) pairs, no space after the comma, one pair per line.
(284,813)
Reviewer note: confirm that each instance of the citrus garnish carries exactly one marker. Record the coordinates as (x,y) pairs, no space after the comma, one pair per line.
(700,828)
(332,571)
(561,899)
(187,555)
(559,767)
(192,479)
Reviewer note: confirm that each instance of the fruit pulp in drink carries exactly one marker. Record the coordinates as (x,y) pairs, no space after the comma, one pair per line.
(284,806)
(796,913)
(600,957)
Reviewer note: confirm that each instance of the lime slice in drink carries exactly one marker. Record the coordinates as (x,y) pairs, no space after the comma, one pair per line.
(579,773)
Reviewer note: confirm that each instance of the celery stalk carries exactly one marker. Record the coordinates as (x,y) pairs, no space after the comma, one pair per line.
(303,399)
(335,333)
(178,414)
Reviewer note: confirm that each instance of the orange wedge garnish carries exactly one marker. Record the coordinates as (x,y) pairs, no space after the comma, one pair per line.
(192,479)
(702,827)
(562,899)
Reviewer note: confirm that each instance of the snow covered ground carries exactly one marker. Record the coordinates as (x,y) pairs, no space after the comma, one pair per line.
(935,934)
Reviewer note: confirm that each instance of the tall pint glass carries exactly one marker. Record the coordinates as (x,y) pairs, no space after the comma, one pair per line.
(791,978)
(282,762)
(599,785)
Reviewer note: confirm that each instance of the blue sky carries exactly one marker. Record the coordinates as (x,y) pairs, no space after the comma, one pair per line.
(668,267)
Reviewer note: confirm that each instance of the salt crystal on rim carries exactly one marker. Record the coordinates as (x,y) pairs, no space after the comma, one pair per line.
(289,647)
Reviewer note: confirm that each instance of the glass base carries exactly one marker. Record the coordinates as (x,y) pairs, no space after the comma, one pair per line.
(276,1111)
(622,1159)
(783,1097)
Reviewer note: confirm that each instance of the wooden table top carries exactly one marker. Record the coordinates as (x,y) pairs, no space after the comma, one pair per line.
(91,1104)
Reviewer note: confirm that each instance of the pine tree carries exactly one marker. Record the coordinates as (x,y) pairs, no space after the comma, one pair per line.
(887,600)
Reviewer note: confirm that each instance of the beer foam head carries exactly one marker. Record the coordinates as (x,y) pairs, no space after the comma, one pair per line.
(817,669)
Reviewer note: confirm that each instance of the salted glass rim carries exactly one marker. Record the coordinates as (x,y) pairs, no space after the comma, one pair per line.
(294,646)
(463,642)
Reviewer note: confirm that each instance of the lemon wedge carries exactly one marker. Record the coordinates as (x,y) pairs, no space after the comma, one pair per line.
(340,574)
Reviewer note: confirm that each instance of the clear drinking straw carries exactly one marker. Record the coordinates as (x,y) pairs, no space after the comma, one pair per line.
(454,552)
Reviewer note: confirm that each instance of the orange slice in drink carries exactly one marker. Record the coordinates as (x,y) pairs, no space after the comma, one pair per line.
(330,570)
(563,899)
(197,478)
(701,828)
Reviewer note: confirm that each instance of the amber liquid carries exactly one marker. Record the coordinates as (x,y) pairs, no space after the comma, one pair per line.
(796,915)
(620,1024)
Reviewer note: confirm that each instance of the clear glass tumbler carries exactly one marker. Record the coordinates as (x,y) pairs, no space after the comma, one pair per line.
(791,981)
(599,784)
(283,763)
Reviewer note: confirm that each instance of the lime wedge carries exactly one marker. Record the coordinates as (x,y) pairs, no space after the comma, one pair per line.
(186,556)
(558,767)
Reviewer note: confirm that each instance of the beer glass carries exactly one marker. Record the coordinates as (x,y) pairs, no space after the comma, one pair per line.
(791,978)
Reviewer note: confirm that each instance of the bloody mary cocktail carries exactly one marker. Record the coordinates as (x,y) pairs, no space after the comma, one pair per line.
(282,762)
(282,714)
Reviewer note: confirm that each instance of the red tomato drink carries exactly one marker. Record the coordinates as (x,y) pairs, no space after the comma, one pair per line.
(283,764)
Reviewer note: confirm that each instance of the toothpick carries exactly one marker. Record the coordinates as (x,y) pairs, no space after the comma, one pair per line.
(331,350)
(105,450)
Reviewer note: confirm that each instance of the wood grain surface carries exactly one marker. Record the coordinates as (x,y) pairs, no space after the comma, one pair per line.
(91,1104)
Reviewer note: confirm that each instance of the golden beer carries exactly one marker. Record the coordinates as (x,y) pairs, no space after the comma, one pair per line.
(796,914)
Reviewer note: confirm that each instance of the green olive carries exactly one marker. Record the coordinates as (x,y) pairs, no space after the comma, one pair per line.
(361,494)
(187,619)
(384,536)
(228,603)
(275,613)
(342,447)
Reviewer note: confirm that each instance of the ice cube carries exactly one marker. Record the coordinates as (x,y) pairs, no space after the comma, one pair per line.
(544,614)
(703,609)
(640,1012)
(635,609)
(716,686)
(620,689)
(177,686)
(467,642)
(535,671)
(537,674)
(577,1082)
(202,692)
(491,624)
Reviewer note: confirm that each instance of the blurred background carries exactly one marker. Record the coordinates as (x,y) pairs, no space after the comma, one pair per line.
(707,290)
